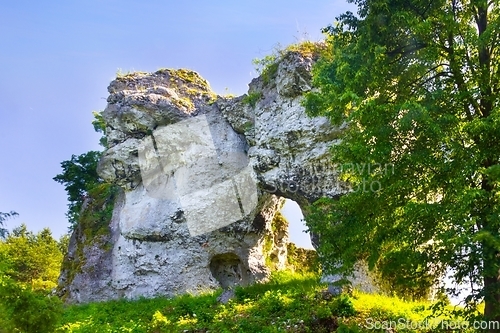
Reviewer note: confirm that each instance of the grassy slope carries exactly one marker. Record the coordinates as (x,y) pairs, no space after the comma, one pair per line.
(288,303)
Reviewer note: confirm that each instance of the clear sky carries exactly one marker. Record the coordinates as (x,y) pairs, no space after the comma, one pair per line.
(58,57)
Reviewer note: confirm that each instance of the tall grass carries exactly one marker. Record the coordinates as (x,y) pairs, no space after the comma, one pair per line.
(289,302)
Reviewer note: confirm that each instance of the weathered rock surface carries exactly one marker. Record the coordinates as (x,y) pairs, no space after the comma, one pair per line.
(288,150)
(203,177)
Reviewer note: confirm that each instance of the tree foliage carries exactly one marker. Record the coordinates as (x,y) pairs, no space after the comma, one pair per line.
(29,269)
(417,86)
(79,176)
(31,259)
(4,217)
(26,310)
(100,127)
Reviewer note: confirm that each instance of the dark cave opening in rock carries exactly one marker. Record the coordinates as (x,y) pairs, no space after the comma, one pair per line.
(228,270)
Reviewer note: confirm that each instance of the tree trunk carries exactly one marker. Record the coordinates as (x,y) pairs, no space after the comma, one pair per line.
(491,255)
(492,303)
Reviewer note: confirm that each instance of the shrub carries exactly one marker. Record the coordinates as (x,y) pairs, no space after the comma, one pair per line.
(348,328)
(252,98)
(27,310)
(343,307)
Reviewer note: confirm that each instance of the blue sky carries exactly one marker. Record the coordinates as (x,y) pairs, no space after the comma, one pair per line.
(57,59)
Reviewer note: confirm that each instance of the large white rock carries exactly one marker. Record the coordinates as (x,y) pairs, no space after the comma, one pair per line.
(202,178)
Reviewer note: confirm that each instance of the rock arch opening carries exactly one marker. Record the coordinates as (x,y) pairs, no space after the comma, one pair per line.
(296,225)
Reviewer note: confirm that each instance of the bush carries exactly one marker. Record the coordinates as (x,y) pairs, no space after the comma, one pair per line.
(351,328)
(252,98)
(27,310)
(343,307)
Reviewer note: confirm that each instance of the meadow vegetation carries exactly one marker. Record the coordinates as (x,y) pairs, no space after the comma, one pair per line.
(293,300)
(289,302)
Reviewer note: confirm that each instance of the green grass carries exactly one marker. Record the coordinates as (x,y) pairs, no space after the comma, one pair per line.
(252,98)
(267,66)
(288,303)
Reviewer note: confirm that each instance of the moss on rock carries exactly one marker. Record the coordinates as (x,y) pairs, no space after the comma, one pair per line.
(275,243)
(91,230)
(267,67)
(302,260)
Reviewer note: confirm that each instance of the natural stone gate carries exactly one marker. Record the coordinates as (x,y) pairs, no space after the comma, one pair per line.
(204,219)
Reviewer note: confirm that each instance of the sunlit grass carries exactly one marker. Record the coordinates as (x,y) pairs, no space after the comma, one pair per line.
(289,302)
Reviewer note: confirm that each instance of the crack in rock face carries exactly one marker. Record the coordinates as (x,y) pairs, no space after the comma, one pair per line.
(202,178)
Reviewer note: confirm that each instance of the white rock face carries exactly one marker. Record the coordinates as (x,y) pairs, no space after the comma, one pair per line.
(202,178)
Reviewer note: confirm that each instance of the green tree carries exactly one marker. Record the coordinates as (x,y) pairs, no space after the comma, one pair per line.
(100,127)
(417,86)
(31,259)
(79,176)
(4,217)
(63,243)
(29,268)
(23,309)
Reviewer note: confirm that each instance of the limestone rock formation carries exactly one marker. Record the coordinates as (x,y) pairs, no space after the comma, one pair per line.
(202,178)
